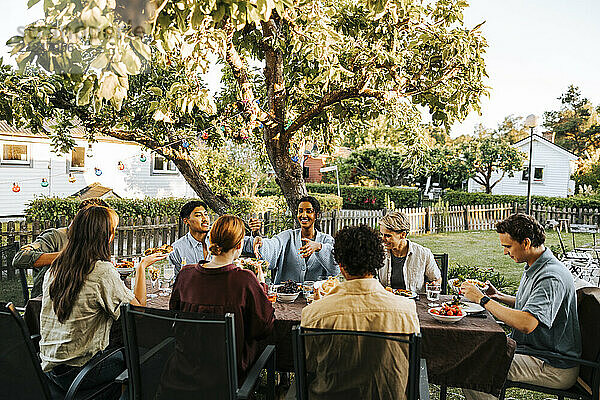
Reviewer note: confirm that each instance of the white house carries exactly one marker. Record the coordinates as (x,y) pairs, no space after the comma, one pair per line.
(552,167)
(29,168)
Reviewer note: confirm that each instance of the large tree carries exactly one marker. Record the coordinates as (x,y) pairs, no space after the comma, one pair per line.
(316,58)
(576,124)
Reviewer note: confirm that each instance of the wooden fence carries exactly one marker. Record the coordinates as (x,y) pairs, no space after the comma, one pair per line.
(134,235)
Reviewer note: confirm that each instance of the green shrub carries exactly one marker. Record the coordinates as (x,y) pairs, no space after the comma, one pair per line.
(51,208)
(360,197)
(454,197)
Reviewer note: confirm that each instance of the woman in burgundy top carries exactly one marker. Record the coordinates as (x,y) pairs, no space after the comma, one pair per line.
(219,287)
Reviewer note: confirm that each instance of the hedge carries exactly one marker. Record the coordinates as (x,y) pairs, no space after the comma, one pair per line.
(360,197)
(454,197)
(51,208)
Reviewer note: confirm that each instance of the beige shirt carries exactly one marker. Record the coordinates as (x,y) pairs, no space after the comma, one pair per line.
(350,367)
(86,331)
(420,266)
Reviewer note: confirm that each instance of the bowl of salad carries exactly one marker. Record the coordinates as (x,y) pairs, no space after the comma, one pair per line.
(447,314)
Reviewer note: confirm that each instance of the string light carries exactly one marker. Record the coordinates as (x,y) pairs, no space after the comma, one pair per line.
(71,178)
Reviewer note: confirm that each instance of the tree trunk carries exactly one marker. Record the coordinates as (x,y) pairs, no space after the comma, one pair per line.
(289,173)
(277,140)
(218,204)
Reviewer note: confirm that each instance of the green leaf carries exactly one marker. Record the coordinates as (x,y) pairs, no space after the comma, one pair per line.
(31,3)
(15,40)
(156,91)
(100,62)
(142,48)
(84,92)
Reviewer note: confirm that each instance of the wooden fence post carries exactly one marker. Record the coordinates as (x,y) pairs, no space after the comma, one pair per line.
(466,218)
(427,220)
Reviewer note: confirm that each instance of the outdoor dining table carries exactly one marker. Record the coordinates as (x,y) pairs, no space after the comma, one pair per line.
(474,353)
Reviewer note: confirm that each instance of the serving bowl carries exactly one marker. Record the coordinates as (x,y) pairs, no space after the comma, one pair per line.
(446,319)
(287,297)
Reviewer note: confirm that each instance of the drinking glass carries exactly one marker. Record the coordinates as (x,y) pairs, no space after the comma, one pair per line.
(307,288)
(154,273)
(433,293)
(272,294)
(169,273)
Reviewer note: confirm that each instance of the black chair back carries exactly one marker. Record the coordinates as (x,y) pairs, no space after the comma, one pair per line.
(178,355)
(442,262)
(588,310)
(339,364)
(21,376)
(13,281)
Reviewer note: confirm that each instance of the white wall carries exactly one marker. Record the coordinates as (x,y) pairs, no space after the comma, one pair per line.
(135,181)
(557,174)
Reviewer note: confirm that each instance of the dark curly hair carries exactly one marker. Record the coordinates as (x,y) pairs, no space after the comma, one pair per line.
(359,250)
(523,226)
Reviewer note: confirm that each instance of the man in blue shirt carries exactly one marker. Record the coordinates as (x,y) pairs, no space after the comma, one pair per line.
(543,314)
(193,246)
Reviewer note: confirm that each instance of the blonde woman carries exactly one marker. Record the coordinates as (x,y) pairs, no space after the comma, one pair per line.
(407,265)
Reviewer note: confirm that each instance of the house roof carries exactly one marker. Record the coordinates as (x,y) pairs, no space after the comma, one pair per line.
(548,143)
(95,190)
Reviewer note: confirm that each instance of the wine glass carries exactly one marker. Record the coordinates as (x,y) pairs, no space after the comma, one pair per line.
(433,293)
(154,273)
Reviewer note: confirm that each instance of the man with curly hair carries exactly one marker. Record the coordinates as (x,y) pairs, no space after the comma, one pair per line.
(361,304)
(543,314)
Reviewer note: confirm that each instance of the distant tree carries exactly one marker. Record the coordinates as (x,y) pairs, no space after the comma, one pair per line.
(511,129)
(484,156)
(388,166)
(576,124)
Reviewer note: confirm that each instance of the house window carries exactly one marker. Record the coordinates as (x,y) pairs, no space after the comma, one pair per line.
(538,174)
(163,166)
(78,158)
(17,154)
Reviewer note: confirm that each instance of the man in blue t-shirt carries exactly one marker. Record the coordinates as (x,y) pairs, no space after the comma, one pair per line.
(543,314)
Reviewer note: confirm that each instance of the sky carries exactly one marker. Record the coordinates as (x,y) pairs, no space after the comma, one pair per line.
(537,48)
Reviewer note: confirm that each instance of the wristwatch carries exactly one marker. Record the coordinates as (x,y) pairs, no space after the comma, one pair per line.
(484,300)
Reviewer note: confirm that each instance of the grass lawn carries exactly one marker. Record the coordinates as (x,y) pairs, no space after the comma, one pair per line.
(482,249)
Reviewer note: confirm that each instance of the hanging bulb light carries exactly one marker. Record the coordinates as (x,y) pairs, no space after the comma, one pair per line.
(97,171)
(90,152)
(44,182)
(142,157)
(16,188)
(72,178)
(121,166)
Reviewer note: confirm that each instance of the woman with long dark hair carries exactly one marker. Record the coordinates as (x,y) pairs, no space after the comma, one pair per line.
(81,296)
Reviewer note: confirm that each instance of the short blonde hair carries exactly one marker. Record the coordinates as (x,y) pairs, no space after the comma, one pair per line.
(395,221)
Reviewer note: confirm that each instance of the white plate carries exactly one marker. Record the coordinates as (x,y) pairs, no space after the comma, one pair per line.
(471,308)
(446,319)
(413,295)
(456,289)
